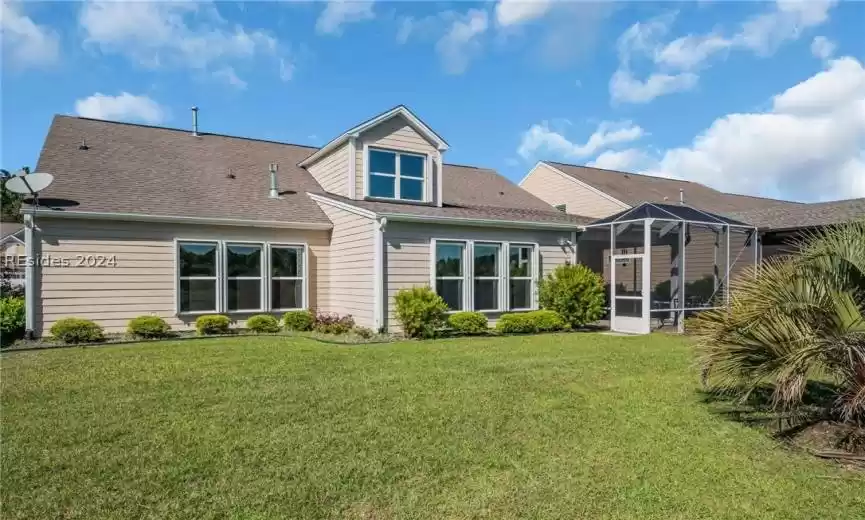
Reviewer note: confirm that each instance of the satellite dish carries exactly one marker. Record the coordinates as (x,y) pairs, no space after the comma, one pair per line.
(30,184)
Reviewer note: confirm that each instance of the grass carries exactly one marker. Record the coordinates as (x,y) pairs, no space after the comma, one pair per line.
(553,426)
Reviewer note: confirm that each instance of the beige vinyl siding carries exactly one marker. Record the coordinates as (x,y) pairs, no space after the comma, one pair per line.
(143,279)
(407,255)
(331,171)
(555,188)
(395,134)
(349,271)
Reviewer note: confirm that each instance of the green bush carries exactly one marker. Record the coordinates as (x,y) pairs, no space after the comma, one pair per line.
(298,320)
(262,323)
(76,330)
(575,292)
(211,324)
(468,322)
(530,322)
(364,332)
(420,311)
(332,323)
(12,318)
(148,327)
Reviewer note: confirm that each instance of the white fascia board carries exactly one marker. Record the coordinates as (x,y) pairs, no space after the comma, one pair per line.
(408,217)
(418,125)
(343,206)
(177,219)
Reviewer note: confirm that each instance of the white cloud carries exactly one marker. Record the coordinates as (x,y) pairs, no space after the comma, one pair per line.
(822,47)
(125,107)
(461,42)
(628,160)
(342,12)
(228,75)
(156,34)
(678,61)
(25,43)
(541,138)
(514,12)
(809,146)
(624,87)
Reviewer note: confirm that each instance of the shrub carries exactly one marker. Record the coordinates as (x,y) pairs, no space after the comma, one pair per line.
(76,330)
(468,322)
(148,327)
(298,320)
(332,323)
(12,318)
(262,323)
(530,322)
(547,320)
(575,292)
(211,324)
(364,332)
(420,311)
(515,323)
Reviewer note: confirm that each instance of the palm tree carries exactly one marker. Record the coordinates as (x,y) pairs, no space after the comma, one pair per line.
(801,320)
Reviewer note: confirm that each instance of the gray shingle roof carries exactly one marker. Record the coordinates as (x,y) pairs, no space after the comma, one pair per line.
(130,168)
(804,215)
(633,188)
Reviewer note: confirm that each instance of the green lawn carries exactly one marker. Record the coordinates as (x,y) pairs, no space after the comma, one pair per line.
(555,426)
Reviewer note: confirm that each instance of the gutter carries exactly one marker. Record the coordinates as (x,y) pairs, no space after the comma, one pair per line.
(177,219)
(408,217)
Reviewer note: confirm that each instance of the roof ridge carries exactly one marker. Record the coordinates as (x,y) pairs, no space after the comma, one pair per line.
(627,173)
(184,130)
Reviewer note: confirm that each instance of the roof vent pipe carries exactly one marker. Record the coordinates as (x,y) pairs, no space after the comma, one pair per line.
(681,196)
(195,121)
(274,190)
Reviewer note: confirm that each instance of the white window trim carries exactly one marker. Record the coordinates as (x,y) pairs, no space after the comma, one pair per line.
(178,278)
(532,277)
(222,280)
(501,278)
(304,276)
(504,277)
(396,176)
(260,277)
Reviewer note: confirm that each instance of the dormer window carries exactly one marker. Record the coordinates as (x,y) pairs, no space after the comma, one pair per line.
(396,175)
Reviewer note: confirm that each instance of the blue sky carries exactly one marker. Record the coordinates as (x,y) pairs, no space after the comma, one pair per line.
(759,98)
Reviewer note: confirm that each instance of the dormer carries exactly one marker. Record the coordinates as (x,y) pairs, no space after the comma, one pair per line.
(393,157)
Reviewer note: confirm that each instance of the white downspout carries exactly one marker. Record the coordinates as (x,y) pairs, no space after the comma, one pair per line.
(29,278)
(378,274)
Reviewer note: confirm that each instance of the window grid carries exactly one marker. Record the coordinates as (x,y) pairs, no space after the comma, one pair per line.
(397,176)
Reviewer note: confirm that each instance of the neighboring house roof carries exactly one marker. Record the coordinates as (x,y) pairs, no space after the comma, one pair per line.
(399,110)
(144,170)
(11,231)
(804,215)
(633,188)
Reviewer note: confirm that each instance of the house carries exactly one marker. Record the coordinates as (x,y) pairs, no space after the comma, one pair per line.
(12,253)
(179,223)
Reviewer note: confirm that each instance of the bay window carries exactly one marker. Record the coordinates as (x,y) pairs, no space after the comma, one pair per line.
(485,276)
(286,277)
(198,274)
(217,276)
(395,175)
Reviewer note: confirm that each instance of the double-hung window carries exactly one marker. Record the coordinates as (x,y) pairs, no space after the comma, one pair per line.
(521,272)
(286,277)
(198,270)
(487,272)
(396,175)
(450,273)
(244,274)
(217,276)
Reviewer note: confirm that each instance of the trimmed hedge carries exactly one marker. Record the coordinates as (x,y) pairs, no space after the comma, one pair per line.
(12,318)
(575,292)
(469,322)
(530,322)
(77,330)
(148,327)
(211,324)
(420,311)
(298,320)
(262,323)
